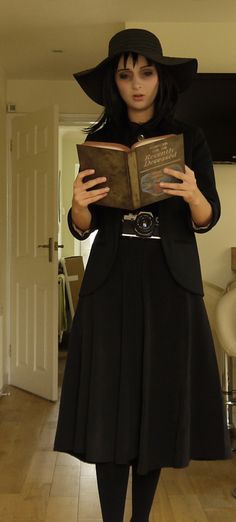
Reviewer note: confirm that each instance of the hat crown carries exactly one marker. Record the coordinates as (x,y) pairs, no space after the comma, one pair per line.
(137,40)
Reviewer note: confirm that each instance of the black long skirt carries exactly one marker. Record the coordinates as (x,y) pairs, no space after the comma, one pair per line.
(141,380)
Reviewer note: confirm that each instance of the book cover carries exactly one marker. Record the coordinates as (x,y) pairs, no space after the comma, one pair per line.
(133,174)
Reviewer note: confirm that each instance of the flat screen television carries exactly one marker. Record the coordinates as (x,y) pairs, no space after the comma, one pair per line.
(210,103)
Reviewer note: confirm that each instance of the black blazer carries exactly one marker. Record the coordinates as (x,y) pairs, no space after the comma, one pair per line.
(176,229)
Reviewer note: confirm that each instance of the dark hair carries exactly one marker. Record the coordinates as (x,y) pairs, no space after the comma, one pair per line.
(115,110)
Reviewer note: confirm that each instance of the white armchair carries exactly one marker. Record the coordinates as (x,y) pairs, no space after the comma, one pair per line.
(225,324)
(226,320)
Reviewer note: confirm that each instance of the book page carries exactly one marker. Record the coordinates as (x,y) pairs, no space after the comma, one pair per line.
(145,141)
(106,145)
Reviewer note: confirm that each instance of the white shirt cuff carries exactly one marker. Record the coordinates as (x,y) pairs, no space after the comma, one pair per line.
(196,227)
(82,233)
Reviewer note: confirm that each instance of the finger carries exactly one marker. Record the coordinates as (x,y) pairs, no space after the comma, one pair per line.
(181,193)
(95,198)
(81,175)
(93,193)
(175,173)
(176,192)
(188,170)
(173,186)
(90,184)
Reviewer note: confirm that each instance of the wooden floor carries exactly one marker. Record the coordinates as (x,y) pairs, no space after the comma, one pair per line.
(39,485)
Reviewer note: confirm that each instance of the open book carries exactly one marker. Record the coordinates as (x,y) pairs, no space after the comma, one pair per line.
(133,174)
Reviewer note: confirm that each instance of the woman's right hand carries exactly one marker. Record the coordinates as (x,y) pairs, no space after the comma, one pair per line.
(82,197)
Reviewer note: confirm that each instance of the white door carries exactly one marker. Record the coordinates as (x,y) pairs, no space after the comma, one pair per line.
(34,292)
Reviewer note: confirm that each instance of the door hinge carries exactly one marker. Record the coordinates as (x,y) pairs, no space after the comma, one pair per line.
(9,351)
(11,145)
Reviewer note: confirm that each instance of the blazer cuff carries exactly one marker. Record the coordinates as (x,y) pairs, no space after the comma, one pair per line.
(198,228)
(216,210)
(76,232)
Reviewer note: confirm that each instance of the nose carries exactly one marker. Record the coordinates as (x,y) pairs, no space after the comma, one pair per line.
(136,82)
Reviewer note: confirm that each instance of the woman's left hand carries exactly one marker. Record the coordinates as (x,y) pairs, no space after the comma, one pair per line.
(187,189)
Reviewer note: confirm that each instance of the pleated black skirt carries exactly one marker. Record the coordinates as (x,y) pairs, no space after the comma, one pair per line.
(141,380)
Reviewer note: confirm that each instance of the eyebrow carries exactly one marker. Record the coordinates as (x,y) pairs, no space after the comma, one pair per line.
(127,68)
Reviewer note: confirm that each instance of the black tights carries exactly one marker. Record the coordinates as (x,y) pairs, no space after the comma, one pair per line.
(112,482)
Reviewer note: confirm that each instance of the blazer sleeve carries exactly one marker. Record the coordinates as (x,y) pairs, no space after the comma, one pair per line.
(204,172)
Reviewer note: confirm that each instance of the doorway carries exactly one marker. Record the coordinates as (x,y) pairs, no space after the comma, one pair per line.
(69,136)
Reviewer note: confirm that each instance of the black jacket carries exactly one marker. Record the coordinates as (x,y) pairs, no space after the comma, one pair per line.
(176,229)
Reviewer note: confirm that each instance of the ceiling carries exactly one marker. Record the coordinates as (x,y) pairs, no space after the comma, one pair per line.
(30,30)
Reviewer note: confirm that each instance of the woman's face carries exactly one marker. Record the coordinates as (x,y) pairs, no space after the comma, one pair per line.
(138,86)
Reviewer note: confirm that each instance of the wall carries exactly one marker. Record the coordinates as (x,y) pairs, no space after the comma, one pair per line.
(33,95)
(3,358)
(215,246)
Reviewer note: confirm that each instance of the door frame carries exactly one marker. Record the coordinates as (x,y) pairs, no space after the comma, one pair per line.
(9,119)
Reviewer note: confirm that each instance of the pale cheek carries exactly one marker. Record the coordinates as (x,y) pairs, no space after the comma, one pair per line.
(154,92)
(156,87)
(121,89)
(124,91)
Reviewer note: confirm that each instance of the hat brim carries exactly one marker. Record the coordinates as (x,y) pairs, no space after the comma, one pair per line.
(183,71)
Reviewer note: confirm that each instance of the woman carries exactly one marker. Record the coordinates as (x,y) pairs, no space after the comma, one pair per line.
(141,385)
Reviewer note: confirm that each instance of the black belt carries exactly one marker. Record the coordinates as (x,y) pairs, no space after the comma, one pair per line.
(142,225)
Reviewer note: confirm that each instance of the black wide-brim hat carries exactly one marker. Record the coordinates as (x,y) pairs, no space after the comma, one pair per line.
(141,42)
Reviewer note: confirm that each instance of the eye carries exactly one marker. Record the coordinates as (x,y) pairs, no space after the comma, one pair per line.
(123,75)
(149,72)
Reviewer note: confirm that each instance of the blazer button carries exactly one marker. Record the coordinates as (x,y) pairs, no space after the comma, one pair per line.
(141,137)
